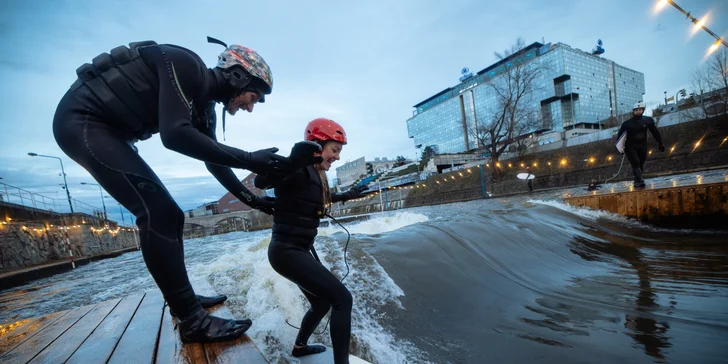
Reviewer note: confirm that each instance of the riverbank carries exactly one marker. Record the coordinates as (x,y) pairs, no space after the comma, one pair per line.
(17,277)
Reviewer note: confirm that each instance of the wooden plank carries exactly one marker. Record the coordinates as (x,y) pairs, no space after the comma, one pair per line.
(171,349)
(724,198)
(648,204)
(676,202)
(603,203)
(611,203)
(19,334)
(663,198)
(700,194)
(12,327)
(639,204)
(241,350)
(688,201)
(66,344)
(102,341)
(593,203)
(139,341)
(630,200)
(714,205)
(597,201)
(31,347)
(622,204)
(606,203)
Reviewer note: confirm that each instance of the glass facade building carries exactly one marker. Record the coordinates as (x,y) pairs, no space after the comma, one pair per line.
(574,89)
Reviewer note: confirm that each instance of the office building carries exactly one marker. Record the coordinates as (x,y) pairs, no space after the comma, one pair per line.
(359,168)
(576,91)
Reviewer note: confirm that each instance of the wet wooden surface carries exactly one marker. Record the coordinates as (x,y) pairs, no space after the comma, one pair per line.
(101,343)
(132,329)
(654,204)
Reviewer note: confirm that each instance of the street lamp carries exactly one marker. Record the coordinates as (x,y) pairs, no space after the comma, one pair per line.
(699,23)
(106,219)
(121,211)
(62,172)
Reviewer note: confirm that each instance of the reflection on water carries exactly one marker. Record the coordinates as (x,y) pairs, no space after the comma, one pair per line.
(644,329)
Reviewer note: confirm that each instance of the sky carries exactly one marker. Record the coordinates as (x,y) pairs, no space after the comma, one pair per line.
(364,64)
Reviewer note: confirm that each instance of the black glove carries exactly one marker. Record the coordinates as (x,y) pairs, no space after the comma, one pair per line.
(356,192)
(662,148)
(262,203)
(266,162)
(302,154)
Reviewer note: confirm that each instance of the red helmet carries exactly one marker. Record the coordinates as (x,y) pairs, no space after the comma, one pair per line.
(323,129)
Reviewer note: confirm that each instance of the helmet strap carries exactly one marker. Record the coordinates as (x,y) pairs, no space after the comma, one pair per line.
(216,41)
(224,111)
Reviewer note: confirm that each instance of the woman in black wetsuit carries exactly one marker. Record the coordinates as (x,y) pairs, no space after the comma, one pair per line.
(302,199)
(133,92)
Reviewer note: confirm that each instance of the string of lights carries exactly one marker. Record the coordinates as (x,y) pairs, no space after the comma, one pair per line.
(563,162)
(698,23)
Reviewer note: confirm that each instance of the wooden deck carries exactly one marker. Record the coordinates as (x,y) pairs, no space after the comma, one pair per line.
(133,329)
(697,205)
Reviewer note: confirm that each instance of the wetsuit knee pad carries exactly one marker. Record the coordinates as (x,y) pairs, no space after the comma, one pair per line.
(344,298)
(164,214)
(319,309)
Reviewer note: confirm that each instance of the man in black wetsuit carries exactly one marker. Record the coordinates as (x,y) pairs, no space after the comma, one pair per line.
(636,145)
(130,94)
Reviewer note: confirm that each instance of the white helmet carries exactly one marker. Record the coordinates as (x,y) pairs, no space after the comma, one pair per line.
(639,105)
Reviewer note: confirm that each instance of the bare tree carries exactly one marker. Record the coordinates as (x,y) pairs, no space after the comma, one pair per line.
(480,135)
(524,136)
(701,84)
(710,83)
(513,113)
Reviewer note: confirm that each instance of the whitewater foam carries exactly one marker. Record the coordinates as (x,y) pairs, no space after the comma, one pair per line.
(379,224)
(257,292)
(594,215)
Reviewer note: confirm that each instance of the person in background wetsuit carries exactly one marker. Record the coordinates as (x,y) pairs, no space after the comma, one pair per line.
(529,180)
(636,145)
(302,199)
(133,92)
(593,185)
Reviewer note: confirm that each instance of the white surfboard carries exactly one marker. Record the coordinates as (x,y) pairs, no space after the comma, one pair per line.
(621,142)
(327,357)
(525,176)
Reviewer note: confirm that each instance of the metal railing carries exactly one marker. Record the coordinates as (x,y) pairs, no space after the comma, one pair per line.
(18,196)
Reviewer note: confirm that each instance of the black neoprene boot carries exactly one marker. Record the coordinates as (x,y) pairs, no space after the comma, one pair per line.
(205,302)
(202,327)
